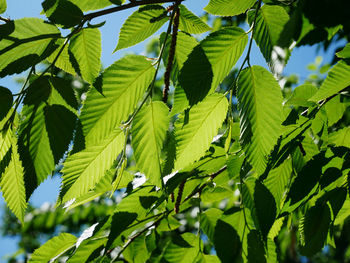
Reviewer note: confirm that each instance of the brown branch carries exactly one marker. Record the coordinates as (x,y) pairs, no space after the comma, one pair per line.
(171,54)
(124,7)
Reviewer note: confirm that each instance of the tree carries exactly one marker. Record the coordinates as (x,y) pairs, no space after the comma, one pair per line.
(228,162)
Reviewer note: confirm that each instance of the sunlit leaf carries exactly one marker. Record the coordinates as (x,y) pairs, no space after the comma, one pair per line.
(260,118)
(140,25)
(86,48)
(195,129)
(228,7)
(148,134)
(191,23)
(53,248)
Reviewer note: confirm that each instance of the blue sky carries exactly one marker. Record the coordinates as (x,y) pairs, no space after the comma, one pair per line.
(48,191)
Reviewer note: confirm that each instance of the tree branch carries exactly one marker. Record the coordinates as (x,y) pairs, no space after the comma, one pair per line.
(123,7)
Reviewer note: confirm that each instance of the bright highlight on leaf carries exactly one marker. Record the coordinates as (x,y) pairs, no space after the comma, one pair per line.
(228,7)
(148,133)
(86,48)
(114,96)
(84,169)
(260,110)
(195,129)
(140,25)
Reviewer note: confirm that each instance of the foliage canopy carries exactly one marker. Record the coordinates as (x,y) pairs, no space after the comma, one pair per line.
(224,162)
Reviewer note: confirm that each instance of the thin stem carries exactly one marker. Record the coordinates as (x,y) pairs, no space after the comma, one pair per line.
(123,7)
(132,239)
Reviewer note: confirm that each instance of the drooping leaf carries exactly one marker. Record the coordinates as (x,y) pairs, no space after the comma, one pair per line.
(3,6)
(269,26)
(63,60)
(6,100)
(341,137)
(301,95)
(228,7)
(211,61)
(114,96)
(209,220)
(87,5)
(47,128)
(265,207)
(335,110)
(305,183)
(62,12)
(140,25)
(314,229)
(148,134)
(195,129)
(137,251)
(182,249)
(345,52)
(191,23)
(86,48)
(278,179)
(12,178)
(256,251)
(84,169)
(87,250)
(227,242)
(260,108)
(53,248)
(24,43)
(338,78)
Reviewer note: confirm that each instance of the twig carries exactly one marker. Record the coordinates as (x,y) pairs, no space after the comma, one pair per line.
(211,178)
(123,7)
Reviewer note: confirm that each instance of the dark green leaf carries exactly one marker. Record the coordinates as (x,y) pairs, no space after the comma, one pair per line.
(6,100)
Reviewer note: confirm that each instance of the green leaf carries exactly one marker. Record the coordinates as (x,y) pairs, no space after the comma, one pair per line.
(265,207)
(46,129)
(24,43)
(6,101)
(345,52)
(3,6)
(209,220)
(270,22)
(211,61)
(335,110)
(62,12)
(260,119)
(140,25)
(114,96)
(338,78)
(87,5)
(84,169)
(182,249)
(228,7)
(314,229)
(63,60)
(12,179)
(208,259)
(137,251)
(53,248)
(87,250)
(191,23)
(256,251)
(301,95)
(195,129)
(227,242)
(86,48)
(340,137)
(278,179)
(305,184)
(148,134)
